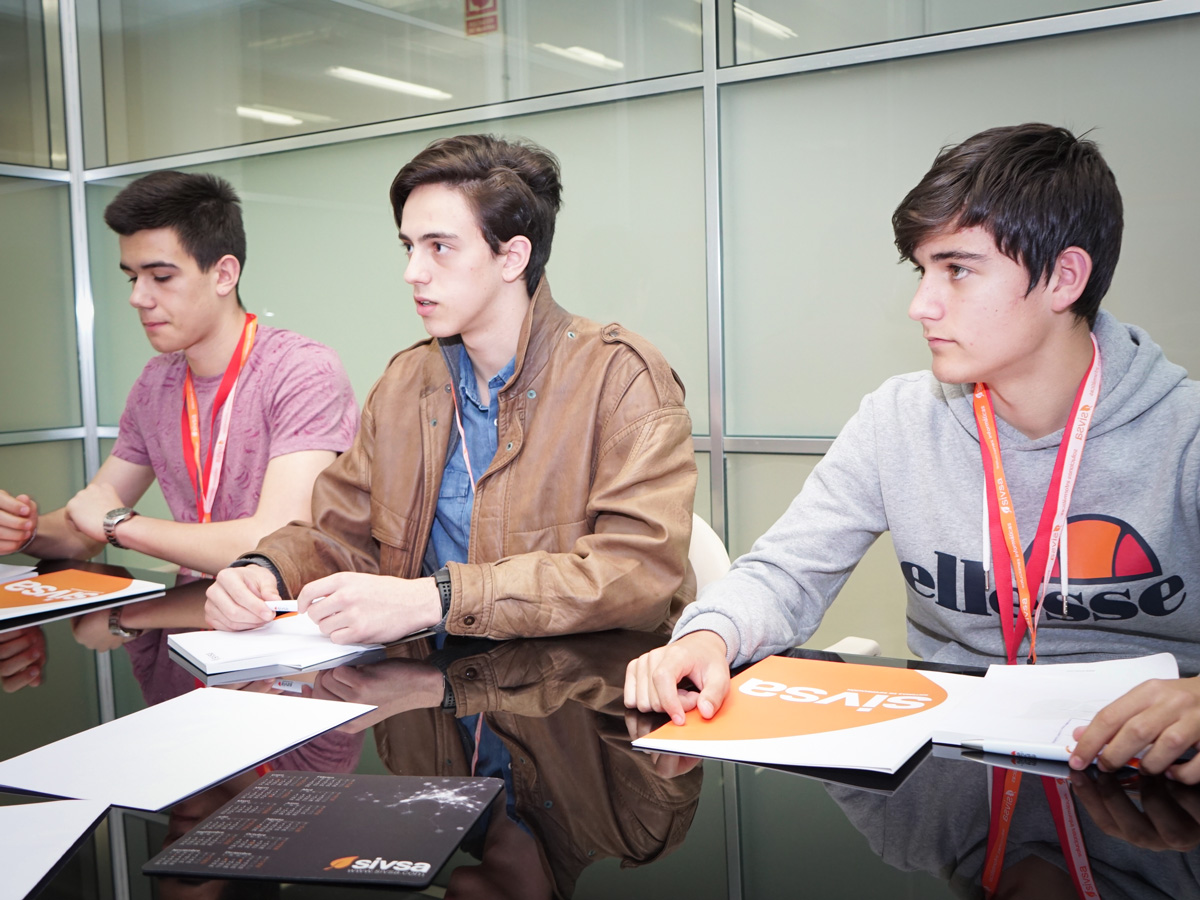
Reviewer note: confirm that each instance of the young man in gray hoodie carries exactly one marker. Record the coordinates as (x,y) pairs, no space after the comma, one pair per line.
(1015,233)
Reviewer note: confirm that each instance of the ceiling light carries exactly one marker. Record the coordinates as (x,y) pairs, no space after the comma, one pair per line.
(583,55)
(388,84)
(271,118)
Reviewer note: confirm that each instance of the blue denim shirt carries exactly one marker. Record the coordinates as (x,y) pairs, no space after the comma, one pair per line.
(451,533)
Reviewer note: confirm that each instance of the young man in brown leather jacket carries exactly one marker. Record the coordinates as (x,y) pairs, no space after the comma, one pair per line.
(524,472)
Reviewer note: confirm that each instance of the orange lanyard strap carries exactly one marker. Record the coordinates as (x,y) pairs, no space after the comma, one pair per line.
(205,481)
(1006,783)
(1051,529)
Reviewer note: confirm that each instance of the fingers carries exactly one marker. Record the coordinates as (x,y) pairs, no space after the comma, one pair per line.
(322,588)
(1158,720)
(1169,818)
(22,655)
(237,600)
(716,686)
(18,519)
(652,680)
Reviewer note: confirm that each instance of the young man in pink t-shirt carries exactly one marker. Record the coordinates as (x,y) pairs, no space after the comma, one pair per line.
(284,410)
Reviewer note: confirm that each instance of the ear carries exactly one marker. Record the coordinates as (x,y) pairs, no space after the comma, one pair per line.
(228,271)
(515,258)
(1071,272)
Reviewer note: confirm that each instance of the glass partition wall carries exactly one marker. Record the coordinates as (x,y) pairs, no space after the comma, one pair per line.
(730,169)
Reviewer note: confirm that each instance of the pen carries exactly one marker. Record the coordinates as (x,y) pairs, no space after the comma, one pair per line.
(286,606)
(1030,749)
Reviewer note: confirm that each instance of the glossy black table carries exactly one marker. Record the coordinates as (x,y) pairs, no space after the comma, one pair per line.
(600,819)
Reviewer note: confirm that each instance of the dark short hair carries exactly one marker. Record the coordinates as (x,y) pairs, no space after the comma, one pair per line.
(513,186)
(1037,189)
(204,211)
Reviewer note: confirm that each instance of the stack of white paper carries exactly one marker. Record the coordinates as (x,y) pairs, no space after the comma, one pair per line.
(1035,710)
(159,755)
(37,836)
(293,640)
(10,572)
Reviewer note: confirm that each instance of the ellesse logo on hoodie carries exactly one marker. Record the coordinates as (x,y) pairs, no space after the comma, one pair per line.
(1106,554)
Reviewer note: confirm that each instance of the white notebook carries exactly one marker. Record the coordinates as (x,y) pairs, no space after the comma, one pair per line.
(290,640)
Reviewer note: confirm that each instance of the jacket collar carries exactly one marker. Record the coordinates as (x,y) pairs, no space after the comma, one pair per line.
(544,321)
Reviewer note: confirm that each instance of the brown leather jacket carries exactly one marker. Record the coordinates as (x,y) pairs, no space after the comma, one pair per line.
(581,522)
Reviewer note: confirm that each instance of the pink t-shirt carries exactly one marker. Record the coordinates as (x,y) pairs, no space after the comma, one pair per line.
(293,395)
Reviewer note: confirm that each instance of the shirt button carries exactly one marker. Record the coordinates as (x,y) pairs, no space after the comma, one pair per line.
(469,620)
(495,421)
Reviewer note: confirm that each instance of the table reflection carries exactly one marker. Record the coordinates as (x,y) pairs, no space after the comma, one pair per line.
(1141,833)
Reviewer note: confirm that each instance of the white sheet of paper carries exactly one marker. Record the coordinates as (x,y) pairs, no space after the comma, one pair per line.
(294,641)
(159,755)
(9,573)
(1044,703)
(36,836)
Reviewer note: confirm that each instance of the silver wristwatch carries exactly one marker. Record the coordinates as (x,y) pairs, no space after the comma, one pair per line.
(117,629)
(112,519)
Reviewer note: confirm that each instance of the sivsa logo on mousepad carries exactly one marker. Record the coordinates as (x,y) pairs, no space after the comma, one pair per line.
(784,697)
(306,826)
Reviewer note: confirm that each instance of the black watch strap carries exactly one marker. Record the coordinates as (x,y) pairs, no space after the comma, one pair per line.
(255,559)
(442,579)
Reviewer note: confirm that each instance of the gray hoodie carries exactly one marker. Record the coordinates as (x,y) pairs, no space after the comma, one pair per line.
(909,462)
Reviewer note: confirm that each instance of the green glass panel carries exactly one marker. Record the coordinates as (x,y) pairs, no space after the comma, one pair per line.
(182,75)
(51,473)
(31,99)
(871,604)
(39,366)
(323,258)
(770,29)
(813,166)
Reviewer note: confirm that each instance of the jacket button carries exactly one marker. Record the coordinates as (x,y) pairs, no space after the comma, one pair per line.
(508,446)
(471,673)
(469,620)
(571,335)
(531,394)
(549,804)
(447,389)
(433,423)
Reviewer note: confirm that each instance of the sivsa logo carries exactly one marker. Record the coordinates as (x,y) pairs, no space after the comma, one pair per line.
(47,592)
(860,701)
(379,864)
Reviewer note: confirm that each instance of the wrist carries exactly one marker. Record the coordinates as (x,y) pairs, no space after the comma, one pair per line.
(117,630)
(441,578)
(28,541)
(431,602)
(112,519)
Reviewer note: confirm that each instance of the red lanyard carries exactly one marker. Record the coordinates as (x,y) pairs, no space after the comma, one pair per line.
(1052,528)
(205,481)
(1066,822)
(1051,536)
